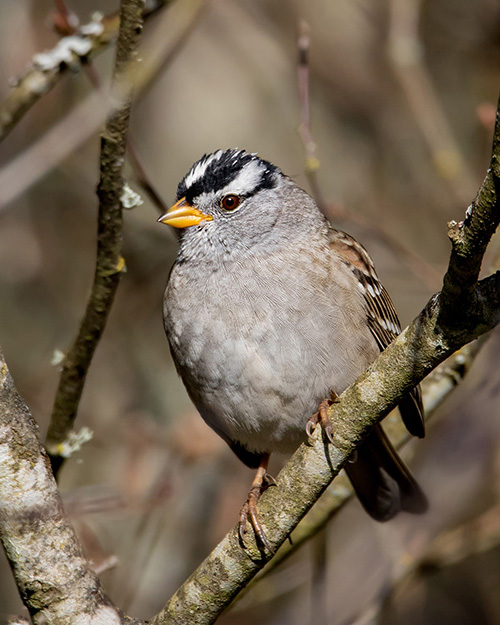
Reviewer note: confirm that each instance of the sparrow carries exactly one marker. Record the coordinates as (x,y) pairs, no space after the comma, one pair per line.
(268,311)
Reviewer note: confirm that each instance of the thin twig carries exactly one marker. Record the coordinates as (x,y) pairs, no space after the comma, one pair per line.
(65,21)
(109,263)
(139,170)
(143,179)
(47,69)
(319,588)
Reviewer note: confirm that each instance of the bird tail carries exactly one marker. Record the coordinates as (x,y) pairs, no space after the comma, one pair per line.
(383,483)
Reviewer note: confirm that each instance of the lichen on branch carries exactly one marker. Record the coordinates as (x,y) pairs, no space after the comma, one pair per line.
(47,68)
(54,580)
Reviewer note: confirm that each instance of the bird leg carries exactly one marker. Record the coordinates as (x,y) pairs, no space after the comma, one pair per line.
(249,510)
(321,417)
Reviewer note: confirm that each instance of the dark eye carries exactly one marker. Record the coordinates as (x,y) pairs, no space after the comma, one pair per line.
(230,202)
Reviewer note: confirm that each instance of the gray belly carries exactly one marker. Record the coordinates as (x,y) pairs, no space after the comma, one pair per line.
(256,369)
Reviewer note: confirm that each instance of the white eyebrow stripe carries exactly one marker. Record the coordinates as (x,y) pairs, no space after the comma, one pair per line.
(247,179)
(199,170)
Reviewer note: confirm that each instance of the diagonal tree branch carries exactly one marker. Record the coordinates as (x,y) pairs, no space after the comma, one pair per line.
(109,263)
(463,311)
(47,69)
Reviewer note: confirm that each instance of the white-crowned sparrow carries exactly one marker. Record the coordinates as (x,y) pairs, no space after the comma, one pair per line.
(268,310)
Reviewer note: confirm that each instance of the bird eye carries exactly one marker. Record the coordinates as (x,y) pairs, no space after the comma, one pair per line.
(230,202)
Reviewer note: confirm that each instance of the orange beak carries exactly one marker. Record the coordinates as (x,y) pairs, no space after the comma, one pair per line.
(183,215)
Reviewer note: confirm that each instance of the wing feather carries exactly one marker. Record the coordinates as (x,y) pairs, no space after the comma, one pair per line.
(381,317)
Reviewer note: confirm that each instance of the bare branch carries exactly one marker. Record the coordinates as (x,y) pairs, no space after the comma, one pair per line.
(312,161)
(56,584)
(143,179)
(469,239)
(109,263)
(48,68)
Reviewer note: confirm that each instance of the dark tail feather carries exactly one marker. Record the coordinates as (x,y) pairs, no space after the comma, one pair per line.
(382,482)
(412,412)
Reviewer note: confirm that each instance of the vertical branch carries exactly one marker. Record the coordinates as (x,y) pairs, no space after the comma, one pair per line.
(469,239)
(139,170)
(109,263)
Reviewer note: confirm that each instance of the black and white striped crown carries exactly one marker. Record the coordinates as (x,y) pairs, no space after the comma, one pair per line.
(246,173)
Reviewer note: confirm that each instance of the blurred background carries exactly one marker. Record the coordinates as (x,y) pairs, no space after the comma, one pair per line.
(402,101)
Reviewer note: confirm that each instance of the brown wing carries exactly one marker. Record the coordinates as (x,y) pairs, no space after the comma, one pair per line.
(381,317)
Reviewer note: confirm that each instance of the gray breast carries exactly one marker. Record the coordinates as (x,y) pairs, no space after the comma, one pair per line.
(258,344)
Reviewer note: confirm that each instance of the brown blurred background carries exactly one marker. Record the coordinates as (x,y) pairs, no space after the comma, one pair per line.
(402,105)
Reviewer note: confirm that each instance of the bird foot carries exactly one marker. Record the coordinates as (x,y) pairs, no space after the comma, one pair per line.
(261,482)
(321,417)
